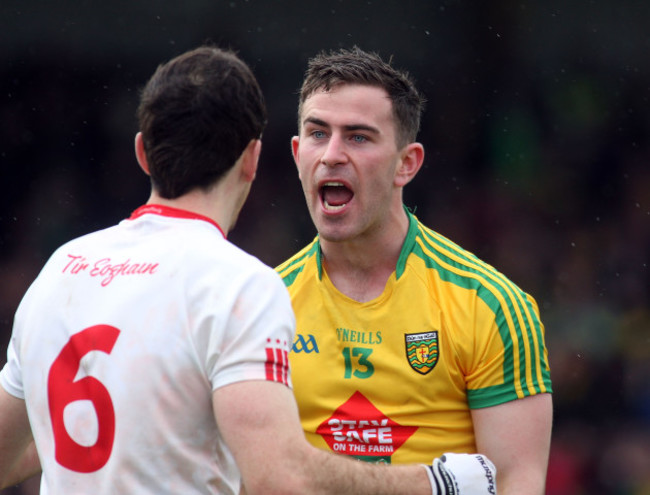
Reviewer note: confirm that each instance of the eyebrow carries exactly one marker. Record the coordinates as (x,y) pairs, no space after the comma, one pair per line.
(350,127)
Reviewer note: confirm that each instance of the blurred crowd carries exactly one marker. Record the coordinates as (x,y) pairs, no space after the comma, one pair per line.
(562,206)
(552,187)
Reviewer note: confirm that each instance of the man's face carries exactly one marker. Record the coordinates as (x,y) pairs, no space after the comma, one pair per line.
(347,159)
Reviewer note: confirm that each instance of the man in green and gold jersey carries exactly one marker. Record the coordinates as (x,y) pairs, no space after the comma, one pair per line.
(407,345)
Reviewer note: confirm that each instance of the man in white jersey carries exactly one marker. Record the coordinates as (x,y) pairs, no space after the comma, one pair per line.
(151,357)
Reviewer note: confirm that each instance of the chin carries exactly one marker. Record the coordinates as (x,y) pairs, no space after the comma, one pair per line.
(333,234)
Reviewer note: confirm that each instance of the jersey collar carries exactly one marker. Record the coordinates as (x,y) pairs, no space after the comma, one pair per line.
(409,243)
(407,247)
(168,211)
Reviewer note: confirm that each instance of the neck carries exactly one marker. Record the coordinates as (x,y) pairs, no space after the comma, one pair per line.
(360,267)
(210,204)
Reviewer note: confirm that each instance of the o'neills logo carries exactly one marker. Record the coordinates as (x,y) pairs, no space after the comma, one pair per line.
(359,429)
(422,351)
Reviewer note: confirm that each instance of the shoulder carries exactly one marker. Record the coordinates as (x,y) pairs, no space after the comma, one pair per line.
(307,257)
(456,264)
(220,263)
(461,269)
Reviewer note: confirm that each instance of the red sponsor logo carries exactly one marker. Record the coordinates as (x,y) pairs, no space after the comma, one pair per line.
(358,428)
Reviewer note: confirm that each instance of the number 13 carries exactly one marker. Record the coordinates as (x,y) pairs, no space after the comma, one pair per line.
(365,369)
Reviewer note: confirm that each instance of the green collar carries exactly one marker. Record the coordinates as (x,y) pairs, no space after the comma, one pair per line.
(407,247)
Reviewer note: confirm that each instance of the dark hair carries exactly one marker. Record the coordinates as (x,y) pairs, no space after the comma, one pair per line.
(197,114)
(328,70)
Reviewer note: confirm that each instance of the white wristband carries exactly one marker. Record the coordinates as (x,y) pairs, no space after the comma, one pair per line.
(441,482)
(462,474)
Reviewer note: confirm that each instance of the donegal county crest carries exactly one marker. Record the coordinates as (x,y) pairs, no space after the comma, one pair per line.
(422,351)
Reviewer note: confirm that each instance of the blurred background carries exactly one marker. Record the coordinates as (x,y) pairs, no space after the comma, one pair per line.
(537,159)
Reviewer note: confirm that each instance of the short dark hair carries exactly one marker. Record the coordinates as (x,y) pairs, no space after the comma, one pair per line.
(328,70)
(197,114)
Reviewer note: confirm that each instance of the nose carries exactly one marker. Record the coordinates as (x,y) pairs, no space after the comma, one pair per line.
(334,152)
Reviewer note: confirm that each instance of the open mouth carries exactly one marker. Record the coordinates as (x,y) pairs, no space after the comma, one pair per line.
(335,195)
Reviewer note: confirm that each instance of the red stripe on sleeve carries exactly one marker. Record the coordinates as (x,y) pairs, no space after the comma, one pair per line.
(285,367)
(277,365)
(270,364)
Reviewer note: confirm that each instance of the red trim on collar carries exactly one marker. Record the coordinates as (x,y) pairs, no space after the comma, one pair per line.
(168,211)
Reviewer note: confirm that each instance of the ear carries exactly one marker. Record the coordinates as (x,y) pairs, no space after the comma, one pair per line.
(140,154)
(295,144)
(250,159)
(412,157)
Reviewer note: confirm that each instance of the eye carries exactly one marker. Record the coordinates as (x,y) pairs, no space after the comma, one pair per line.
(358,138)
(318,134)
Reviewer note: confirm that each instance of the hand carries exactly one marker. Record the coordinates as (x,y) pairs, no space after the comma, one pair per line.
(462,474)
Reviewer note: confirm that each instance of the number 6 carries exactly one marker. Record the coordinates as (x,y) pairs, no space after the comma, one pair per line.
(63,390)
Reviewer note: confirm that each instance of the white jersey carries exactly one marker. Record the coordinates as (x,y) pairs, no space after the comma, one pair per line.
(120,341)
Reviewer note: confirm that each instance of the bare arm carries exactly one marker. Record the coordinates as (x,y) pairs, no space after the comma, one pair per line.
(259,421)
(18,458)
(516,436)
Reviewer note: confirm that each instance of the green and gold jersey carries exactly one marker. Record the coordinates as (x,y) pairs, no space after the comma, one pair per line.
(394,379)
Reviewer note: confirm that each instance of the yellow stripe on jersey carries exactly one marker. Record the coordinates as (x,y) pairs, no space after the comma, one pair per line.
(290,269)
(522,330)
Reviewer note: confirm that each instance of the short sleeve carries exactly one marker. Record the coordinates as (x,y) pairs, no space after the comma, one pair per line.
(512,359)
(10,376)
(257,333)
